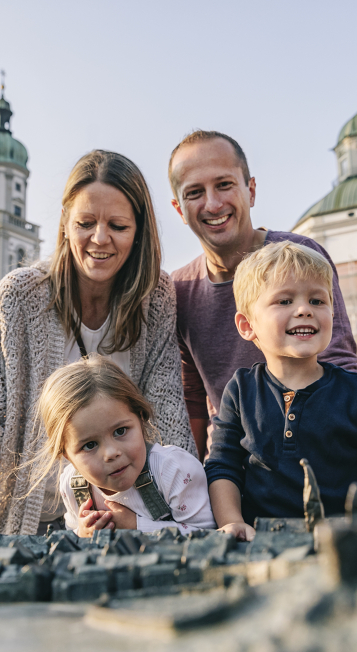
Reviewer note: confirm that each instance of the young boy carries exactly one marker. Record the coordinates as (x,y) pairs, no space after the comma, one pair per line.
(274,414)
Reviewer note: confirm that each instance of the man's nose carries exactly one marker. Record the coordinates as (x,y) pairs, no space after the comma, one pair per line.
(214,202)
(101,235)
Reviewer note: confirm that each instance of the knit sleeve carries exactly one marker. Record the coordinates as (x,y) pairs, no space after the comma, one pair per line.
(161,381)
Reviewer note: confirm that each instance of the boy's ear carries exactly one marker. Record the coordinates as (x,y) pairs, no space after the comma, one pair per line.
(244,327)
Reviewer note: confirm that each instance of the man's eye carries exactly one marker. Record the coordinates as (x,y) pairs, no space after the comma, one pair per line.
(89,446)
(225,184)
(193,193)
(316,302)
(119,432)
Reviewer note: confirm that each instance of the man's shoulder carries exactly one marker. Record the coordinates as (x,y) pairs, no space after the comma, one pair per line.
(193,271)
(278,236)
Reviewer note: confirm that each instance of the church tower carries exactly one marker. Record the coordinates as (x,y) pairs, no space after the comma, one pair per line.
(19,239)
(332,222)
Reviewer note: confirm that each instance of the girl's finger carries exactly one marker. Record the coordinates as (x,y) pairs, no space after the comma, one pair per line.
(103,521)
(84,506)
(92,517)
(110,526)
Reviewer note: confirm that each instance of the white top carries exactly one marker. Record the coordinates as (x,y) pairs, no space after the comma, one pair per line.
(93,341)
(179,477)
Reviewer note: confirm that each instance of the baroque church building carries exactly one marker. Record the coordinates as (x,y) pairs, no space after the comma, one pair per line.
(332,222)
(19,239)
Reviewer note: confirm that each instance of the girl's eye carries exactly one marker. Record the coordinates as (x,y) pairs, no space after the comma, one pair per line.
(315,302)
(119,432)
(285,302)
(89,446)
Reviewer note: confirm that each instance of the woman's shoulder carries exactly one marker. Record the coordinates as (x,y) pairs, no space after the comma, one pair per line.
(163,297)
(24,279)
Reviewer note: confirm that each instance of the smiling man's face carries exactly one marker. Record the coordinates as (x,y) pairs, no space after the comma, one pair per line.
(212,196)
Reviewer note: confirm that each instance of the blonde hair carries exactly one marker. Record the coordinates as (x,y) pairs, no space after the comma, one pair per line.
(71,388)
(273,264)
(140,273)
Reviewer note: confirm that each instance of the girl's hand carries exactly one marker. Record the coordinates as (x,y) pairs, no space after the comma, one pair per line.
(88,521)
(123,517)
(241,531)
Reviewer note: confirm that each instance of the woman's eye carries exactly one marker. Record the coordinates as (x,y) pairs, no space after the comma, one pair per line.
(85,225)
(118,227)
(119,432)
(89,446)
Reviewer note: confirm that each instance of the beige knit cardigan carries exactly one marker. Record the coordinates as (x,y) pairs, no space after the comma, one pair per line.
(32,347)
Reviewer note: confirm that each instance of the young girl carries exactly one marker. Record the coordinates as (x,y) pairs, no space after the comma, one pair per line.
(96,418)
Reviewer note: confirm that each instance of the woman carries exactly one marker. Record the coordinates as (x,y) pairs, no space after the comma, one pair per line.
(104,292)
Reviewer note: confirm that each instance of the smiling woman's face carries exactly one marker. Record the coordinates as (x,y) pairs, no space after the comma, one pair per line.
(101,229)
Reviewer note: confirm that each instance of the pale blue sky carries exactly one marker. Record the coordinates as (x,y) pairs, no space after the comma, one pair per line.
(137,76)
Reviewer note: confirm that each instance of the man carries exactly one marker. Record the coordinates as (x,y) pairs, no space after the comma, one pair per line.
(214,193)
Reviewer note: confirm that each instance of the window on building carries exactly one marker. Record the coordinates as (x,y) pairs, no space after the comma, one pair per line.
(20,257)
(17,211)
(343,167)
(18,187)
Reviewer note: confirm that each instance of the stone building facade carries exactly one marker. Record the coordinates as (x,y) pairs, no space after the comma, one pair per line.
(19,238)
(332,221)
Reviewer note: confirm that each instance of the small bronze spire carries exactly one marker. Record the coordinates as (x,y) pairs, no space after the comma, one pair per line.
(313,507)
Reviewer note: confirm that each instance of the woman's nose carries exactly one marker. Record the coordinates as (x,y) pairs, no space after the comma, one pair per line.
(101,235)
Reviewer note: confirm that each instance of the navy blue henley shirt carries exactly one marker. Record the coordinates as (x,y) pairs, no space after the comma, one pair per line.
(250,446)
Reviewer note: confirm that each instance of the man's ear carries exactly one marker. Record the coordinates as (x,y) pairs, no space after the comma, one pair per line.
(244,327)
(177,207)
(252,190)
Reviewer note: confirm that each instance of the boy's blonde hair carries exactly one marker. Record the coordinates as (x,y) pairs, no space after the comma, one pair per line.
(273,264)
(71,388)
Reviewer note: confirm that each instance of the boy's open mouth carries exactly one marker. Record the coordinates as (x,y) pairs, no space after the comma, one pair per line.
(303,331)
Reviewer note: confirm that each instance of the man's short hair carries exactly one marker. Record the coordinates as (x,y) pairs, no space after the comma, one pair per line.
(273,264)
(201,135)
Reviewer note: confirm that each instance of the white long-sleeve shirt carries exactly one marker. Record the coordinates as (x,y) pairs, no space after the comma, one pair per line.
(180,479)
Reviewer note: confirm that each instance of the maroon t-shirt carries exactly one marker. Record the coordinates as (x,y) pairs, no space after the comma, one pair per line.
(211,347)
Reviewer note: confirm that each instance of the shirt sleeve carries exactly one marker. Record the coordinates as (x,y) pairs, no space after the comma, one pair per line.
(183,484)
(226,458)
(342,349)
(193,387)
(71,515)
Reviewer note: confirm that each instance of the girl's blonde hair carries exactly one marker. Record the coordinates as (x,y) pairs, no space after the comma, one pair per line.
(273,264)
(71,388)
(140,273)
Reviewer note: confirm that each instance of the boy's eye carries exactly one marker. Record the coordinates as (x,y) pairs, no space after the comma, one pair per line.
(89,446)
(284,302)
(119,432)
(315,302)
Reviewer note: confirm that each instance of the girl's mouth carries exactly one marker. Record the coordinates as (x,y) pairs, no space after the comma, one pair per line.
(119,471)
